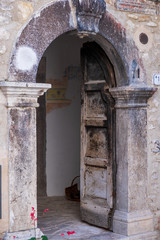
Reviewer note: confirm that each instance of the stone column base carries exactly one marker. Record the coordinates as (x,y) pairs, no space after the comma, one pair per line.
(145,236)
(23,235)
(137,222)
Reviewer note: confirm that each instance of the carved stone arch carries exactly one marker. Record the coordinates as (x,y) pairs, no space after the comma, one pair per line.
(65,16)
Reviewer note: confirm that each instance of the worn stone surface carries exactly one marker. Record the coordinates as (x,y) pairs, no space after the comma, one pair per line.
(115,33)
(22,156)
(4,34)
(25,235)
(85,20)
(25,9)
(20,182)
(56,19)
(132,215)
(121,28)
(64,216)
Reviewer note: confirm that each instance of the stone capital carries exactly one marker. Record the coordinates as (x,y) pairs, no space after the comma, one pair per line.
(23,94)
(131,96)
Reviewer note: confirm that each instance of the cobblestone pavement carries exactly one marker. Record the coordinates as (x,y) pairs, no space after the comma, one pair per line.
(64,216)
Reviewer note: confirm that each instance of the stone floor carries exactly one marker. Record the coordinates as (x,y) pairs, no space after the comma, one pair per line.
(64,216)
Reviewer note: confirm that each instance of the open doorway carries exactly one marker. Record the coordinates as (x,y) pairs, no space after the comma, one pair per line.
(75,108)
(58,117)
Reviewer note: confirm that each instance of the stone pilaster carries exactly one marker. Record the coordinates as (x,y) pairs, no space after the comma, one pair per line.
(21,101)
(132,216)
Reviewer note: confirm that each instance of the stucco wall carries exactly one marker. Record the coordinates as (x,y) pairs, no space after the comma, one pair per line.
(15,14)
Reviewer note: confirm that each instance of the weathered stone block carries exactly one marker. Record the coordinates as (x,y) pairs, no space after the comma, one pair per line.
(130,224)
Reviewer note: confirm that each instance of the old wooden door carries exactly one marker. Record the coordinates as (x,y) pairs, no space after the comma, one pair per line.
(97,137)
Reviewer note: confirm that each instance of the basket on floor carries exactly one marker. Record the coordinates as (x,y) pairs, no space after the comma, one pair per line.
(72,193)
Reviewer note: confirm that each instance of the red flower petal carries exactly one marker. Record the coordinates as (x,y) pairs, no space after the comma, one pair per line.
(70,233)
(46,210)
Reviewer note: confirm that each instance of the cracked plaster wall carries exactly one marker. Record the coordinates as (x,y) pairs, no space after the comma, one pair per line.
(14,14)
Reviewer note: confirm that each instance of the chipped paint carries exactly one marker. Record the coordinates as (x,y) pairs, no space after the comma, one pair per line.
(26,58)
(37,15)
(73,20)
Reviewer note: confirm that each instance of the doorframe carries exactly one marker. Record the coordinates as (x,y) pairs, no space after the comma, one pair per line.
(131,96)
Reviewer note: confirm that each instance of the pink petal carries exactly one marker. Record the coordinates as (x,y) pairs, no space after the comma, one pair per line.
(46,210)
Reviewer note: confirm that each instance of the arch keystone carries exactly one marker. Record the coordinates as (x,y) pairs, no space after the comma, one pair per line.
(89,14)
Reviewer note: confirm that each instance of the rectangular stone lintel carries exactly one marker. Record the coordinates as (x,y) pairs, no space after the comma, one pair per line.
(132,223)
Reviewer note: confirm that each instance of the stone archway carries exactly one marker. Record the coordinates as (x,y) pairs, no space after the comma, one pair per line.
(62,17)
(132,216)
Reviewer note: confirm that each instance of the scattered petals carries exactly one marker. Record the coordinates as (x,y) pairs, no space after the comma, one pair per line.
(46,210)
(33,218)
(62,234)
(70,233)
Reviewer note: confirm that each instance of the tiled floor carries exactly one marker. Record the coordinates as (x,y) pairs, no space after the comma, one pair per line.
(64,216)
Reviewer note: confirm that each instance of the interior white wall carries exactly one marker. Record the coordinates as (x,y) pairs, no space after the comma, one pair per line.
(63,52)
(63,124)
